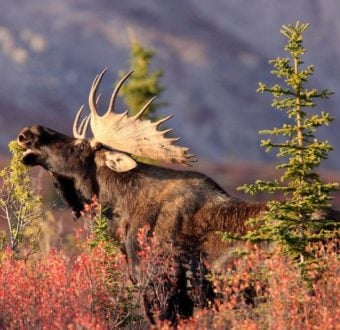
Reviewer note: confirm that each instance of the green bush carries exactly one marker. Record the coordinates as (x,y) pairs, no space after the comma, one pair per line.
(20,205)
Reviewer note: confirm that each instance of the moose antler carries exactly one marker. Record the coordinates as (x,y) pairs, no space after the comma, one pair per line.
(130,134)
(80,132)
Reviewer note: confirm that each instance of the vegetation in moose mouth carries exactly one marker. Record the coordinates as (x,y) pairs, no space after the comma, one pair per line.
(154,234)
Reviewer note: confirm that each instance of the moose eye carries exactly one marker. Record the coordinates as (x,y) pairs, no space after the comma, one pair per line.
(77,147)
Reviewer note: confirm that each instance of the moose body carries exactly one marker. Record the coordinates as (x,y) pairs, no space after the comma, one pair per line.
(181,207)
(184,208)
(177,205)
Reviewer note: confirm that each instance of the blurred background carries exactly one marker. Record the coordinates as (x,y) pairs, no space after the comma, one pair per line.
(213,54)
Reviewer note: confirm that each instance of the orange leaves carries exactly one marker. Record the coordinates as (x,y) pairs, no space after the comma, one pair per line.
(254,290)
(265,291)
(54,292)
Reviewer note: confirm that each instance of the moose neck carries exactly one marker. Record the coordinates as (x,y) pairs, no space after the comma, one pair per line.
(115,188)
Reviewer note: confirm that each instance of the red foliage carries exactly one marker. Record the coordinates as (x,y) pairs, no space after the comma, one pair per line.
(92,208)
(53,293)
(281,299)
(259,290)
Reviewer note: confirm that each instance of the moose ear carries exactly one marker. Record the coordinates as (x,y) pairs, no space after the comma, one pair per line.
(119,162)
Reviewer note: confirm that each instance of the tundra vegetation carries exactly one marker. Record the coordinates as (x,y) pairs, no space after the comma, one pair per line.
(168,253)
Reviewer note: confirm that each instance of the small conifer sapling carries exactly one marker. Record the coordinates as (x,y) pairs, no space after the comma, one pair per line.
(292,222)
(144,83)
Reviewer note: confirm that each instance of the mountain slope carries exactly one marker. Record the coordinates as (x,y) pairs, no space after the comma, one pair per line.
(213,54)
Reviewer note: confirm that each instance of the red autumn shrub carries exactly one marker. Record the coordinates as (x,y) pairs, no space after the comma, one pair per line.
(265,290)
(255,290)
(52,292)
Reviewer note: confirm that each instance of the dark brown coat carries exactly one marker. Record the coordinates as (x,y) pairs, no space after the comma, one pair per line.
(176,204)
(182,207)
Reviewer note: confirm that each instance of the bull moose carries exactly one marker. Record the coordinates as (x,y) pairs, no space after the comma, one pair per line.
(182,207)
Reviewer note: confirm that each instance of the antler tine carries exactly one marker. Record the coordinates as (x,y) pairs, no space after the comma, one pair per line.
(76,133)
(98,98)
(166,131)
(162,120)
(80,131)
(116,91)
(83,125)
(141,112)
(93,92)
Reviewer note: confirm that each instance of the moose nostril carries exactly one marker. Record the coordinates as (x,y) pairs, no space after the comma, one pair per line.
(25,138)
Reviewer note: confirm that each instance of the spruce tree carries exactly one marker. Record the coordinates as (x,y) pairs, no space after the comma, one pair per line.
(144,83)
(292,222)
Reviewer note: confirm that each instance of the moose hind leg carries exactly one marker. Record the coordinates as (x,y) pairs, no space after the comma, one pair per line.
(168,298)
(179,304)
(201,290)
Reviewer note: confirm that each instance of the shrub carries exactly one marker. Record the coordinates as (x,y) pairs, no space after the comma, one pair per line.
(256,289)
(264,290)
(52,292)
(21,206)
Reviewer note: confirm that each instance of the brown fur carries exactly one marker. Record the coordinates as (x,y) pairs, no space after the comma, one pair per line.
(181,207)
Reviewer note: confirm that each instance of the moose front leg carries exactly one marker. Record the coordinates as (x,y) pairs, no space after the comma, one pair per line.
(131,252)
(162,285)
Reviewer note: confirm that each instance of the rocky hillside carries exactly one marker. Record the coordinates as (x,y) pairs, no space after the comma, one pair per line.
(213,53)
